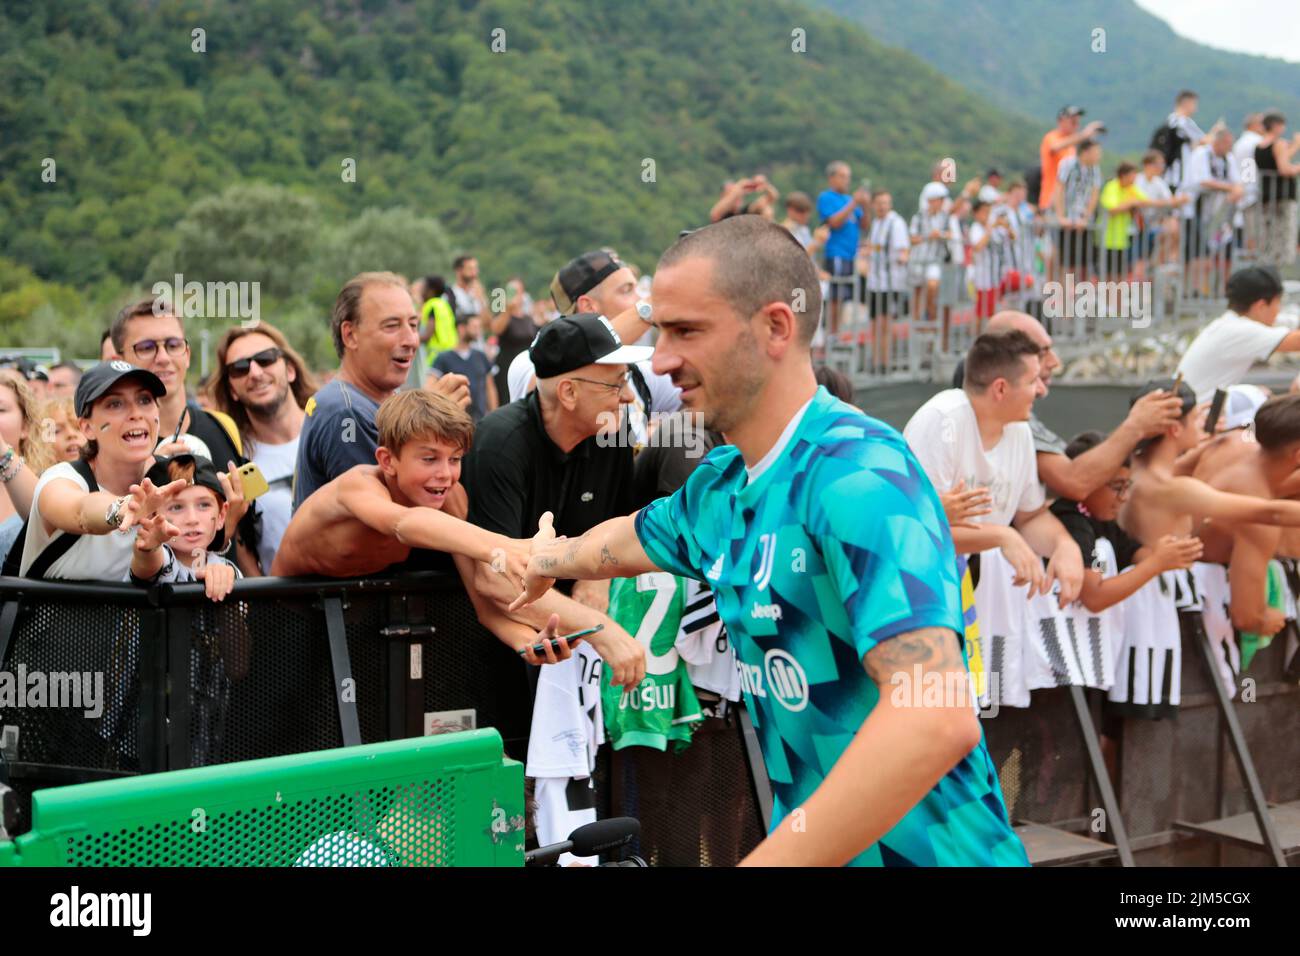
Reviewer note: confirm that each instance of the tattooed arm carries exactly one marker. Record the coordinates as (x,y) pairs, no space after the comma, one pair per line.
(609,550)
(901,751)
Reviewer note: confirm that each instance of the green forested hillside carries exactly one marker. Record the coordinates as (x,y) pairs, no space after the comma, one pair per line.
(1034,56)
(525,156)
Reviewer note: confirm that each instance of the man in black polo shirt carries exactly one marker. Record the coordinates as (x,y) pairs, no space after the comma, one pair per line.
(541,453)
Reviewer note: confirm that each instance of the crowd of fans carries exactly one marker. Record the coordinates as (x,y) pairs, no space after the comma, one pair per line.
(454,428)
(1196,198)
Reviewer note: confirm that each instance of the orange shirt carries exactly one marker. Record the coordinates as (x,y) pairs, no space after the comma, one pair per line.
(1049,161)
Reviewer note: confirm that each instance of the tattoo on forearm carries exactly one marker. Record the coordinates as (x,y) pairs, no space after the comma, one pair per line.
(547,564)
(932,648)
(607,556)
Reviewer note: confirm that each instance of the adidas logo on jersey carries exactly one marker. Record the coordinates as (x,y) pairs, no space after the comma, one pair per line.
(715,573)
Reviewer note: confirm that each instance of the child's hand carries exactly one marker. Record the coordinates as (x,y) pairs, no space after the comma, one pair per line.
(152,532)
(1173,552)
(236,507)
(218,579)
(959,504)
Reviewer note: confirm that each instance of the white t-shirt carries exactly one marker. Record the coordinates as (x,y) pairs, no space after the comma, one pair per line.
(945,438)
(983,267)
(276,506)
(1244,150)
(95,557)
(1202,166)
(1224,351)
(1153,189)
(889,241)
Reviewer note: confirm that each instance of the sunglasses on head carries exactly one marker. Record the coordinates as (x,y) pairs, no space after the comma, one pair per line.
(265,359)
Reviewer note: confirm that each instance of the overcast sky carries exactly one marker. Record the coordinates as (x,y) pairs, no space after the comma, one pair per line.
(1267,27)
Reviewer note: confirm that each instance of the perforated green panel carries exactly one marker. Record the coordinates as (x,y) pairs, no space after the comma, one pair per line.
(435,801)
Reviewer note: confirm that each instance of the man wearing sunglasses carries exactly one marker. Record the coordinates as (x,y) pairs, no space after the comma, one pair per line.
(264,385)
(149,335)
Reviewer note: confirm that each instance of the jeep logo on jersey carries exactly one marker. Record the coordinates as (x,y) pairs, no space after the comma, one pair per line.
(767,557)
(786,679)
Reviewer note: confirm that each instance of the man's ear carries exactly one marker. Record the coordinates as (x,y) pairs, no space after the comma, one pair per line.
(290,372)
(386,460)
(782,326)
(566,393)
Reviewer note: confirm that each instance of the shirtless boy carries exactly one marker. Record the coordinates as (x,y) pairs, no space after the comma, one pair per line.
(371,516)
(1164,502)
(1266,467)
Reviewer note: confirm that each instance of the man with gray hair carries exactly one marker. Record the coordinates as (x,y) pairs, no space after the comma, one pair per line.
(376,330)
(843,214)
(833,567)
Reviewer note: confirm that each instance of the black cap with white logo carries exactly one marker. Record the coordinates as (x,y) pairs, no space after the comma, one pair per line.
(100,378)
(572,341)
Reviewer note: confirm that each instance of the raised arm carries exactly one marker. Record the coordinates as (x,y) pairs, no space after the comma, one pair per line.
(895,759)
(1079,477)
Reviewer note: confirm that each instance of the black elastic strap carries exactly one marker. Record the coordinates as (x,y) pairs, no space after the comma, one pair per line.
(64,542)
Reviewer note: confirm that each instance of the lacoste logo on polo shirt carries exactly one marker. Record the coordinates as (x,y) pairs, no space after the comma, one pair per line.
(587,496)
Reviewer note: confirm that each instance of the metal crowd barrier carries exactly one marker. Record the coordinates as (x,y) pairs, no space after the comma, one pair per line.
(452,800)
(282,666)
(293,666)
(287,666)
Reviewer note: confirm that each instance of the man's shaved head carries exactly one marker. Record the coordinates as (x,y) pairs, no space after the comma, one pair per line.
(1009,320)
(755,262)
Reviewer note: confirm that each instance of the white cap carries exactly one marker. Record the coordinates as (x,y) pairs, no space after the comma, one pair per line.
(934,191)
(1242,403)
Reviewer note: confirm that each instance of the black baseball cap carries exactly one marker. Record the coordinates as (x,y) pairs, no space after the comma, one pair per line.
(205,473)
(100,378)
(572,341)
(579,276)
(1070,111)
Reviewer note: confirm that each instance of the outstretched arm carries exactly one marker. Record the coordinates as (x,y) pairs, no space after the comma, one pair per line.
(366,499)
(900,752)
(1197,498)
(609,550)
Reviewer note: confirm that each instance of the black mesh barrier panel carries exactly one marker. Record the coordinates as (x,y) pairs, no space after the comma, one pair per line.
(283,699)
(697,806)
(75,671)
(467,668)
(1041,760)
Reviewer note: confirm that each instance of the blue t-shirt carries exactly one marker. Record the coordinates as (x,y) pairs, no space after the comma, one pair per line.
(474,367)
(338,433)
(843,242)
(840,543)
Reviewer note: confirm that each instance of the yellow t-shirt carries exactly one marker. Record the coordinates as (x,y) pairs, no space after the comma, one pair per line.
(1118,223)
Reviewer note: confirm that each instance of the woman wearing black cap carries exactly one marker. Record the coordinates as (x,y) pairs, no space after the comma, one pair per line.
(77,505)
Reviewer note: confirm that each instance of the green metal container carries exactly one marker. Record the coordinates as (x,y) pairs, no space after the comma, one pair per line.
(446,800)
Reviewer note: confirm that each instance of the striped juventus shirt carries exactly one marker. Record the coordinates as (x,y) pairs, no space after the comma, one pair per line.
(1077,183)
(930,250)
(888,240)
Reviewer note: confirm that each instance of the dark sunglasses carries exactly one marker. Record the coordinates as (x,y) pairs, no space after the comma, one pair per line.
(240,367)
